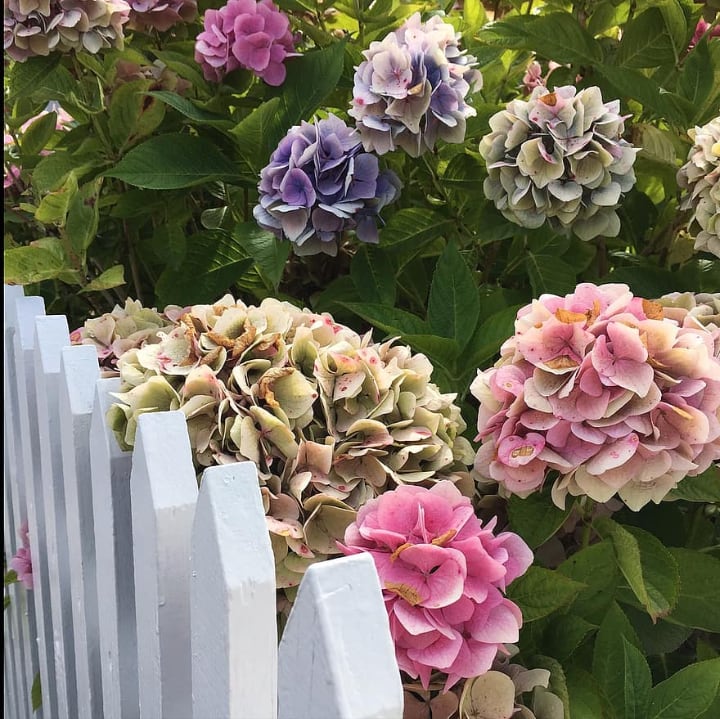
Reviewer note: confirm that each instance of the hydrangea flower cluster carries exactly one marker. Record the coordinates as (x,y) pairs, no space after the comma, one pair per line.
(21,562)
(603,390)
(329,418)
(703,308)
(160,14)
(248,34)
(319,184)
(443,576)
(39,27)
(125,328)
(698,177)
(410,90)
(559,157)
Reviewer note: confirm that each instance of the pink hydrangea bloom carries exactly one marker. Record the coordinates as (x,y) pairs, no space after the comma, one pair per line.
(245,33)
(605,390)
(443,576)
(700,29)
(22,561)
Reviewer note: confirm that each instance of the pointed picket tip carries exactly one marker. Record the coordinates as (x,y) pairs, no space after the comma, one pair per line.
(337,658)
(233,625)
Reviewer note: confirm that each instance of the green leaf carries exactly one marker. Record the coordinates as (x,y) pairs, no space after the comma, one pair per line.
(268,252)
(703,488)
(169,162)
(391,320)
(6,602)
(564,634)
(189,109)
(473,16)
(454,304)
(310,79)
(620,668)
(649,568)
(686,694)
(83,217)
(698,603)
(54,206)
(132,113)
(440,350)
(24,77)
(214,262)
(658,637)
(27,265)
(36,693)
(557,35)
(596,568)
(584,693)
(408,232)
(695,83)
(536,518)
(11,577)
(549,273)
(373,273)
(113,277)
(646,42)
(37,135)
(489,335)
(540,592)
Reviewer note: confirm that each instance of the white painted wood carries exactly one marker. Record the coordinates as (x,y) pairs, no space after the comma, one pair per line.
(232,599)
(110,478)
(336,657)
(51,335)
(17,664)
(29,485)
(163,495)
(79,371)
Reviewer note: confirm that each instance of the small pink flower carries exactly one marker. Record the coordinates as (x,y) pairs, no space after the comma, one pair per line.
(700,29)
(22,561)
(443,576)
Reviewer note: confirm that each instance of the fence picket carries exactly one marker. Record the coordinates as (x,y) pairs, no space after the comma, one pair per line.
(19,664)
(326,672)
(29,485)
(110,478)
(152,600)
(232,608)
(51,335)
(79,371)
(163,491)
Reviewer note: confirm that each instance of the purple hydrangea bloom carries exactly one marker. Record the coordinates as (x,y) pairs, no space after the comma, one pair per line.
(248,34)
(160,14)
(320,183)
(411,88)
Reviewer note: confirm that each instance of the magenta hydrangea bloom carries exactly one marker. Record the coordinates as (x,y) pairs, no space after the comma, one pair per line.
(21,562)
(605,392)
(411,88)
(319,184)
(248,34)
(443,576)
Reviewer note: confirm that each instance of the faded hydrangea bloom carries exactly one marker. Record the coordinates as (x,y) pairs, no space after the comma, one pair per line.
(248,34)
(559,157)
(39,27)
(329,417)
(606,392)
(698,177)
(124,328)
(443,576)
(319,184)
(160,14)
(510,691)
(410,90)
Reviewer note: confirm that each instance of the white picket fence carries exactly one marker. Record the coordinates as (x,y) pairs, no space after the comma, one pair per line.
(154,600)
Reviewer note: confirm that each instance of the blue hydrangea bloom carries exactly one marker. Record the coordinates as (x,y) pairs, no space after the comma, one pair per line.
(320,183)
